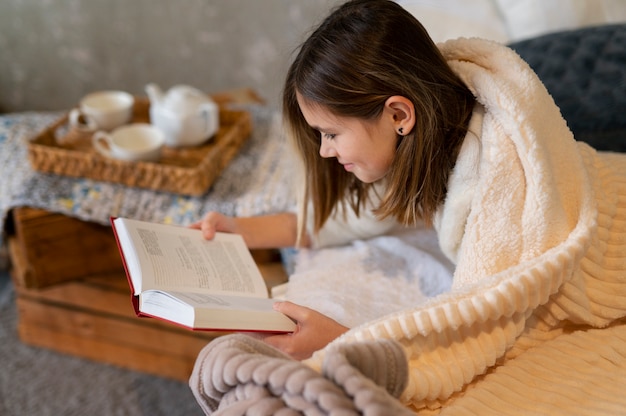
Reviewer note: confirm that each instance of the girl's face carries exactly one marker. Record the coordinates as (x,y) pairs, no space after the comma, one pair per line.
(364,148)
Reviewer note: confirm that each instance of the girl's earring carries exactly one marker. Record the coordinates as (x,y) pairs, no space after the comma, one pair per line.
(401,130)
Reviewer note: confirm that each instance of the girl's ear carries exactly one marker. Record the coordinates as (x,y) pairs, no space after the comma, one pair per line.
(403,112)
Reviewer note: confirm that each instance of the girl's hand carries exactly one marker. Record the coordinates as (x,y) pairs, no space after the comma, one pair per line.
(264,231)
(314,331)
(214,222)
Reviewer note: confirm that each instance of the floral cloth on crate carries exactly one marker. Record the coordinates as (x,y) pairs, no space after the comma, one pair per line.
(255,181)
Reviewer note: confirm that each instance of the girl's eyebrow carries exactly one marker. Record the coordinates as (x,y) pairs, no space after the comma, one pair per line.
(318,128)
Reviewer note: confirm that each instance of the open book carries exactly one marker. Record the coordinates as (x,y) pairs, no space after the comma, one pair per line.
(178,276)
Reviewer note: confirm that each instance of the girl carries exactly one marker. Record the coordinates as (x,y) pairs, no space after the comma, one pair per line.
(462,136)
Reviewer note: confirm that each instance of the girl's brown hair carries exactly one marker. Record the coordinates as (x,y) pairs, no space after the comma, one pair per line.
(363,53)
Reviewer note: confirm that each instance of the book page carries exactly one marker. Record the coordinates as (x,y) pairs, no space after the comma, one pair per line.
(206,311)
(173,257)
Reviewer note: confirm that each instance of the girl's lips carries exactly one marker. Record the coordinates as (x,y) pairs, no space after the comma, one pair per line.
(348,166)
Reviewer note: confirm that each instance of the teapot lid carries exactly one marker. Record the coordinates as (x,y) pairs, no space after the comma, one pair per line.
(184,99)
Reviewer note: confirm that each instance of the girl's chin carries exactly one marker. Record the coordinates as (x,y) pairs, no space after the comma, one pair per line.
(367,179)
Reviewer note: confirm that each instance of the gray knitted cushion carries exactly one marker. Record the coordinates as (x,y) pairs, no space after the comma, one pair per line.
(585,72)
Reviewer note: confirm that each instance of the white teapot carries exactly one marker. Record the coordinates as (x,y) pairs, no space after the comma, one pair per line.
(185,115)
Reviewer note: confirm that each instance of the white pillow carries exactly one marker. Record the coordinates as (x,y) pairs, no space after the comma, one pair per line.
(448,19)
(529,18)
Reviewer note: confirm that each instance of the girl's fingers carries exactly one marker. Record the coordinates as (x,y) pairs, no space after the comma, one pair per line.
(296,312)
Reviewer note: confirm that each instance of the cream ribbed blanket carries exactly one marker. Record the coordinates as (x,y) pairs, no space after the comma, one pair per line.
(536,224)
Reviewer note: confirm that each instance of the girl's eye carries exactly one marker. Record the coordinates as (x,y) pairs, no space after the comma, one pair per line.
(329,136)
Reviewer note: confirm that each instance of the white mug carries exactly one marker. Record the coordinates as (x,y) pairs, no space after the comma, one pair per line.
(137,141)
(103,110)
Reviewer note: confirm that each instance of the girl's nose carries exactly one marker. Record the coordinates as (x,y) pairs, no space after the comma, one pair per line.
(327,150)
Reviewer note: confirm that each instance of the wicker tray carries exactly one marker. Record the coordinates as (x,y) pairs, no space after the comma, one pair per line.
(62,150)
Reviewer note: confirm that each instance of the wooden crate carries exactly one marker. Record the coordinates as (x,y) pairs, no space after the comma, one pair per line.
(47,248)
(73,297)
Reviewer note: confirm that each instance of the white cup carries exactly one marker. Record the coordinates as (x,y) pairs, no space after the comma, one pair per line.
(102,110)
(137,141)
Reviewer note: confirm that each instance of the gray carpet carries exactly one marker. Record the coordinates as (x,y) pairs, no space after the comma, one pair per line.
(37,382)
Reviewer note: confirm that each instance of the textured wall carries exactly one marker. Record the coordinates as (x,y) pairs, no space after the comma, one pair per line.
(52,52)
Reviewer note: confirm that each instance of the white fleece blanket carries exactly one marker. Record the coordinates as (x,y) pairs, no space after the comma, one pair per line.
(370,278)
(536,224)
